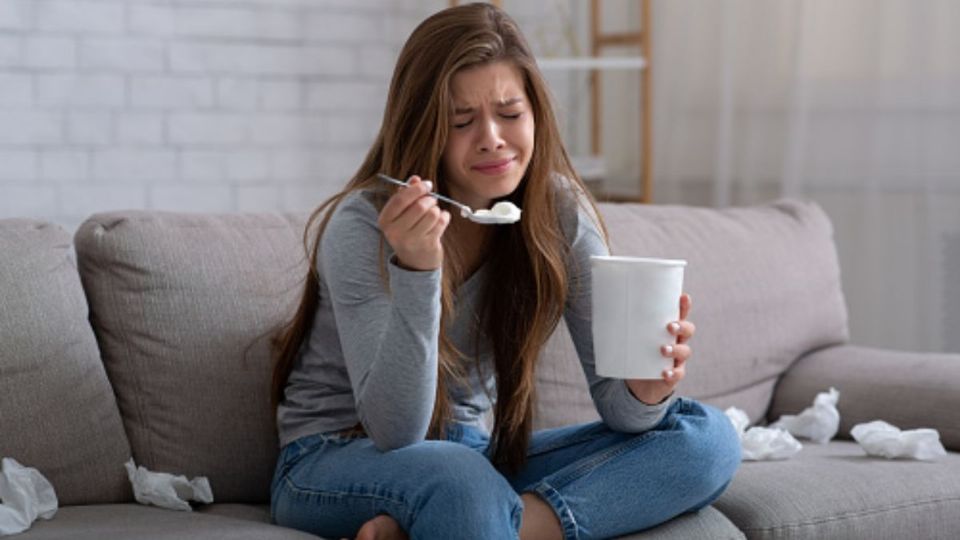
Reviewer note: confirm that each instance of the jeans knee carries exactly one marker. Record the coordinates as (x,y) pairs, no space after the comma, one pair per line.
(712,448)
(464,487)
(464,474)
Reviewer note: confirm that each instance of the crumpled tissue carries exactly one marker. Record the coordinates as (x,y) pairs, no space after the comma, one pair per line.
(739,418)
(26,496)
(878,438)
(819,423)
(760,443)
(166,490)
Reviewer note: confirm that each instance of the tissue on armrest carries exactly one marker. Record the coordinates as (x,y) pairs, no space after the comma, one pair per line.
(907,389)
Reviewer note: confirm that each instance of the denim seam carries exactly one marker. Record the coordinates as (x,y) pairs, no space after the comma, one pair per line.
(301,490)
(303,447)
(516,517)
(600,458)
(562,443)
(553,497)
(301,451)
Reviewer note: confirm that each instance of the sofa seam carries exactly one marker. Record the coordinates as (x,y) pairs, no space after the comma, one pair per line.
(743,387)
(861,513)
(137,378)
(140,405)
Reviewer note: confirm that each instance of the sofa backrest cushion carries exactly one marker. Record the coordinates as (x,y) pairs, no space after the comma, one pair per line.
(184,306)
(57,410)
(765,285)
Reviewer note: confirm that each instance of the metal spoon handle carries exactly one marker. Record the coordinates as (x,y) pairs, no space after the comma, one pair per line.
(459,205)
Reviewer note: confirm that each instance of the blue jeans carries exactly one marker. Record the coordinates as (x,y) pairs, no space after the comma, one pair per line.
(601,483)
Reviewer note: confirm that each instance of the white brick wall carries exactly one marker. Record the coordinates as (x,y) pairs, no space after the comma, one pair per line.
(18,165)
(41,51)
(30,128)
(89,128)
(13,15)
(17,90)
(78,16)
(194,105)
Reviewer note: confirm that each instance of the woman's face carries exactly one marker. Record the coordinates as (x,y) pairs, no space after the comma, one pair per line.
(491,136)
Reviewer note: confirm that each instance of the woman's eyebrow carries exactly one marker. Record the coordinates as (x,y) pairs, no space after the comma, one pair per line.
(504,103)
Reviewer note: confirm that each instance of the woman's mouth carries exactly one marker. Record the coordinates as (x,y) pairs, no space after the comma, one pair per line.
(494,167)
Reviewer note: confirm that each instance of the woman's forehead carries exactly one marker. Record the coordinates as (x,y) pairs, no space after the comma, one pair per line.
(499,83)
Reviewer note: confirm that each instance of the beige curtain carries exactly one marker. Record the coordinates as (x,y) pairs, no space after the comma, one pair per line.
(854,104)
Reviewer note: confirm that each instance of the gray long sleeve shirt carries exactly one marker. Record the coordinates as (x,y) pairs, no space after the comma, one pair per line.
(372,354)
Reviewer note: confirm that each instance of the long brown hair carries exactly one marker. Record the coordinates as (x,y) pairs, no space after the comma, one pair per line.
(527,280)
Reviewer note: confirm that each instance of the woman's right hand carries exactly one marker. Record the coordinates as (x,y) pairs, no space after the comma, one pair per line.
(412,223)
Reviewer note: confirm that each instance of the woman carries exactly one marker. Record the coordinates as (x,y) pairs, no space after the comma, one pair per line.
(413,319)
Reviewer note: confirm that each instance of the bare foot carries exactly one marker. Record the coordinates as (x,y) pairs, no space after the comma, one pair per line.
(382,527)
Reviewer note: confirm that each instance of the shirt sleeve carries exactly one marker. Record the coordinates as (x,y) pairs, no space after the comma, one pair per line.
(388,332)
(617,406)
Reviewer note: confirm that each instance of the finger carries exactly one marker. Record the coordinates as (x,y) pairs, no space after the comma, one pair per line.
(675,375)
(397,202)
(441,225)
(685,304)
(678,352)
(426,222)
(684,330)
(403,198)
(415,212)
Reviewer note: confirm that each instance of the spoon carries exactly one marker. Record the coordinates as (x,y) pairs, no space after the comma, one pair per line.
(502,213)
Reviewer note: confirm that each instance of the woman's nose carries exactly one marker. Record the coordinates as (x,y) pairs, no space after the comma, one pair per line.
(489,137)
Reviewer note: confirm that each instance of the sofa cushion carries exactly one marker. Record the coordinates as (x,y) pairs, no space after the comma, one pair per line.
(137,522)
(907,389)
(57,410)
(837,491)
(241,521)
(705,524)
(765,285)
(183,306)
(249,512)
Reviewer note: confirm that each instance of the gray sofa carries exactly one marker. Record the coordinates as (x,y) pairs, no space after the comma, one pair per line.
(151,341)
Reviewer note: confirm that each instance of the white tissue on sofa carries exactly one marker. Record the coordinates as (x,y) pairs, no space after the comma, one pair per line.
(819,422)
(26,496)
(760,443)
(878,438)
(739,419)
(166,490)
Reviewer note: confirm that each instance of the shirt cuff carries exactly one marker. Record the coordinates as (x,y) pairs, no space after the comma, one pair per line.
(628,414)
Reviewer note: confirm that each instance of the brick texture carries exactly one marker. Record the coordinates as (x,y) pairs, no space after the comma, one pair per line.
(194,105)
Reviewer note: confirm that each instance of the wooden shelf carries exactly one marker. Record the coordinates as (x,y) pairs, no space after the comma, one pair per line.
(593,62)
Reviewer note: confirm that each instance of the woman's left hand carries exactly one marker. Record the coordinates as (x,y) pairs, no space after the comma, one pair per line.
(653,391)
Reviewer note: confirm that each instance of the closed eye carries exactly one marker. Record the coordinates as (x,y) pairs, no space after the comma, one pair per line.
(507,116)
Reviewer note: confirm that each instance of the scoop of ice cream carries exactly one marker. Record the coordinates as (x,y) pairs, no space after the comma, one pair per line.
(506,209)
(502,212)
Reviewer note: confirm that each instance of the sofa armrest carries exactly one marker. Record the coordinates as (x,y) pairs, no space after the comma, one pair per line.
(907,389)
